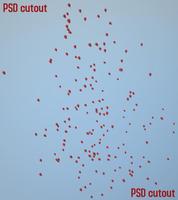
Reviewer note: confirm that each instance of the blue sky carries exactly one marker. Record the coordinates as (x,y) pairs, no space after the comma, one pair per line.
(28,41)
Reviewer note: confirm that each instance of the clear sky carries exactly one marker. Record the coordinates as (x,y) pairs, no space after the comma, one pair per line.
(27,42)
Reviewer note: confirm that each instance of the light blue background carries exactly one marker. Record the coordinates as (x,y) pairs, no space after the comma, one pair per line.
(27,42)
